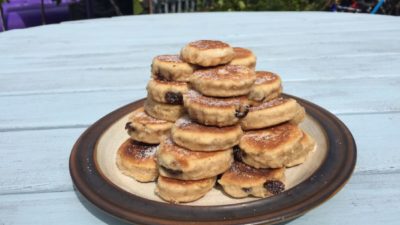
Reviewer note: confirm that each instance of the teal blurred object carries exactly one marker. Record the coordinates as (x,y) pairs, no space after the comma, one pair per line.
(377,6)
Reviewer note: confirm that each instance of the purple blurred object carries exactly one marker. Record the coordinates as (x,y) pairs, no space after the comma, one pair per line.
(27,13)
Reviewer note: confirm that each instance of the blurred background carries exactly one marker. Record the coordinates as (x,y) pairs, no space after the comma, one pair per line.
(16,14)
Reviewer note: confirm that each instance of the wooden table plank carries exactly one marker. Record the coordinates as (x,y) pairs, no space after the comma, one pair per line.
(62,110)
(90,76)
(60,208)
(286,23)
(32,166)
(314,45)
(358,203)
(56,80)
(366,199)
(37,161)
(83,108)
(359,49)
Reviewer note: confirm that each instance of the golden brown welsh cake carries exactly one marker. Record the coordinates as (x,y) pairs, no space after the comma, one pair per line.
(210,115)
(223,81)
(207,53)
(177,191)
(144,128)
(215,111)
(267,86)
(307,145)
(136,159)
(169,92)
(171,68)
(180,163)
(299,116)
(242,180)
(271,113)
(163,111)
(197,137)
(244,57)
(273,147)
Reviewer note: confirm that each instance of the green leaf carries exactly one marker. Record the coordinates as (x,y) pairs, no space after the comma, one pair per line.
(137,7)
(242,5)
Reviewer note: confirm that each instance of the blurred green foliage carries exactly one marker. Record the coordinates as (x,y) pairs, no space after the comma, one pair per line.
(137,7)
(262,5)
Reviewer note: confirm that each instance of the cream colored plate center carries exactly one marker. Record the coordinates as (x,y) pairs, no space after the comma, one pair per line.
(113,137)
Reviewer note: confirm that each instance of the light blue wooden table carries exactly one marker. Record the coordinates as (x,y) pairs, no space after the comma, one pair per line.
(56,80)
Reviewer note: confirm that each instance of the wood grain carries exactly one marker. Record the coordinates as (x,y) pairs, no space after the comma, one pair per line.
(96,77)
(84,108)
(327,49)
(55,80)
(359,203)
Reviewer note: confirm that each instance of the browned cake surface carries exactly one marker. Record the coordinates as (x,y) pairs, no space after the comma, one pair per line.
(265,77)
(240,172)
(271,138)
(170,58)
(169,83)
(195,97)
(137,152)
(228,72)
(241,52)
(208,44)
(185,123)
(172,181)
(183,155)
(140,116)
(270,104)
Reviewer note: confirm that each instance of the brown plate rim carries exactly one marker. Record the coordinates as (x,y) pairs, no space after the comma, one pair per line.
(326,181)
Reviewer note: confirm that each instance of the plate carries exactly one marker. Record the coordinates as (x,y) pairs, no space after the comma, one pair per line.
(97,178)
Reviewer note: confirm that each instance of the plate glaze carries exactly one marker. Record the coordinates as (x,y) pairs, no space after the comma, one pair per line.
(94,172)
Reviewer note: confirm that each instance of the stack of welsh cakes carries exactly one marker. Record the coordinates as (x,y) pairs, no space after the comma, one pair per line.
(210,116)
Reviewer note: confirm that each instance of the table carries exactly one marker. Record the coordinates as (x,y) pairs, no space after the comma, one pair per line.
(56,80)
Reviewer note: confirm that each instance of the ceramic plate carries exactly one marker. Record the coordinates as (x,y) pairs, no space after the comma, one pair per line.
(97,178)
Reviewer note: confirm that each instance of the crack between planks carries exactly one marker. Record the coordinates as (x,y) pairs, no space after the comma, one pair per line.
(77,91)
(37,192)
(367,113)
(55,127)
(392,170)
